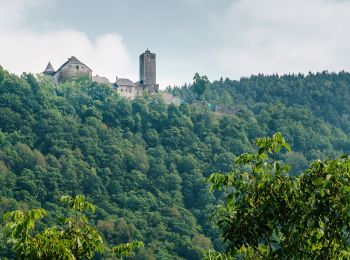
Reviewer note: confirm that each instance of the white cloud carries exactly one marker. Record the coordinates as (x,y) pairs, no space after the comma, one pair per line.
(22,49)
(283,36)
(12,12)
(249,37)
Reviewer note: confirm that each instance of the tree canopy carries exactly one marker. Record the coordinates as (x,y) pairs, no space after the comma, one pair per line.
(143,163)
(75,239)
(270,214)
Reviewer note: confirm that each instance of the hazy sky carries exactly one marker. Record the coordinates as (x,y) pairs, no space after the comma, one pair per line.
(218,38)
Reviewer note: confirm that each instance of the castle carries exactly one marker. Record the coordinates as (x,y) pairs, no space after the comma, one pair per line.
(73,69)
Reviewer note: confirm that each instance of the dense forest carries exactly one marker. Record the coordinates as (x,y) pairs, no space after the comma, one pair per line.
(312,111)
(145,164)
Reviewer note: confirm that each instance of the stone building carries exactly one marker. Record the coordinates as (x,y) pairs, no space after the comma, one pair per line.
(72,69)
(128,89)
(148,80)
(100,80)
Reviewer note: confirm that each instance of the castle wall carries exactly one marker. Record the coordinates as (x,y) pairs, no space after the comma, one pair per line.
(170,99)
(100,80)
(129,92)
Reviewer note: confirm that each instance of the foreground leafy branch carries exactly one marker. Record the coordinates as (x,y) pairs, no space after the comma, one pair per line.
(127,249)
(269,214)
(77,239)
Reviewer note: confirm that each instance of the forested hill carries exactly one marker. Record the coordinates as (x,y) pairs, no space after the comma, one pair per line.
(142,163)
(145,164)
(327,94)
(312,110)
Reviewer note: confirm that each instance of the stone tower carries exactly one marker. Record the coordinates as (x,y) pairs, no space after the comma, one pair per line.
(148,72)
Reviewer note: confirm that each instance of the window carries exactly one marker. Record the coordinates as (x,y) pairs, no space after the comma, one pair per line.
(121,90)
(77,67)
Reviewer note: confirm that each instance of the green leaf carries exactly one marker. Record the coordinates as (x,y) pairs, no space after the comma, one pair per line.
(318,181)
(287,146)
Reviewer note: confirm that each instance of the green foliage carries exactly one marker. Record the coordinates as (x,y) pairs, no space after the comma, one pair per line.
(212,255)
(19,225)
(200,84)
(77,239)
(78,203)
(143,163)
(311,110)
(84,239)
(270,214)
(127,249)
(127,157)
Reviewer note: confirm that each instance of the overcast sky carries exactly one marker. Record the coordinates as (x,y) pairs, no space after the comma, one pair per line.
(218,38)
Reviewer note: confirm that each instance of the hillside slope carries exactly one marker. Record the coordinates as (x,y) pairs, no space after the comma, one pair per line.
(312,111)
(144,164)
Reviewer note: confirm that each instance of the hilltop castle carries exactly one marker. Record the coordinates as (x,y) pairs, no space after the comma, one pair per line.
(73,69)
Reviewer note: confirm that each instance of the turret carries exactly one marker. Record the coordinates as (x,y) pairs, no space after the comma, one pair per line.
(49,70)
